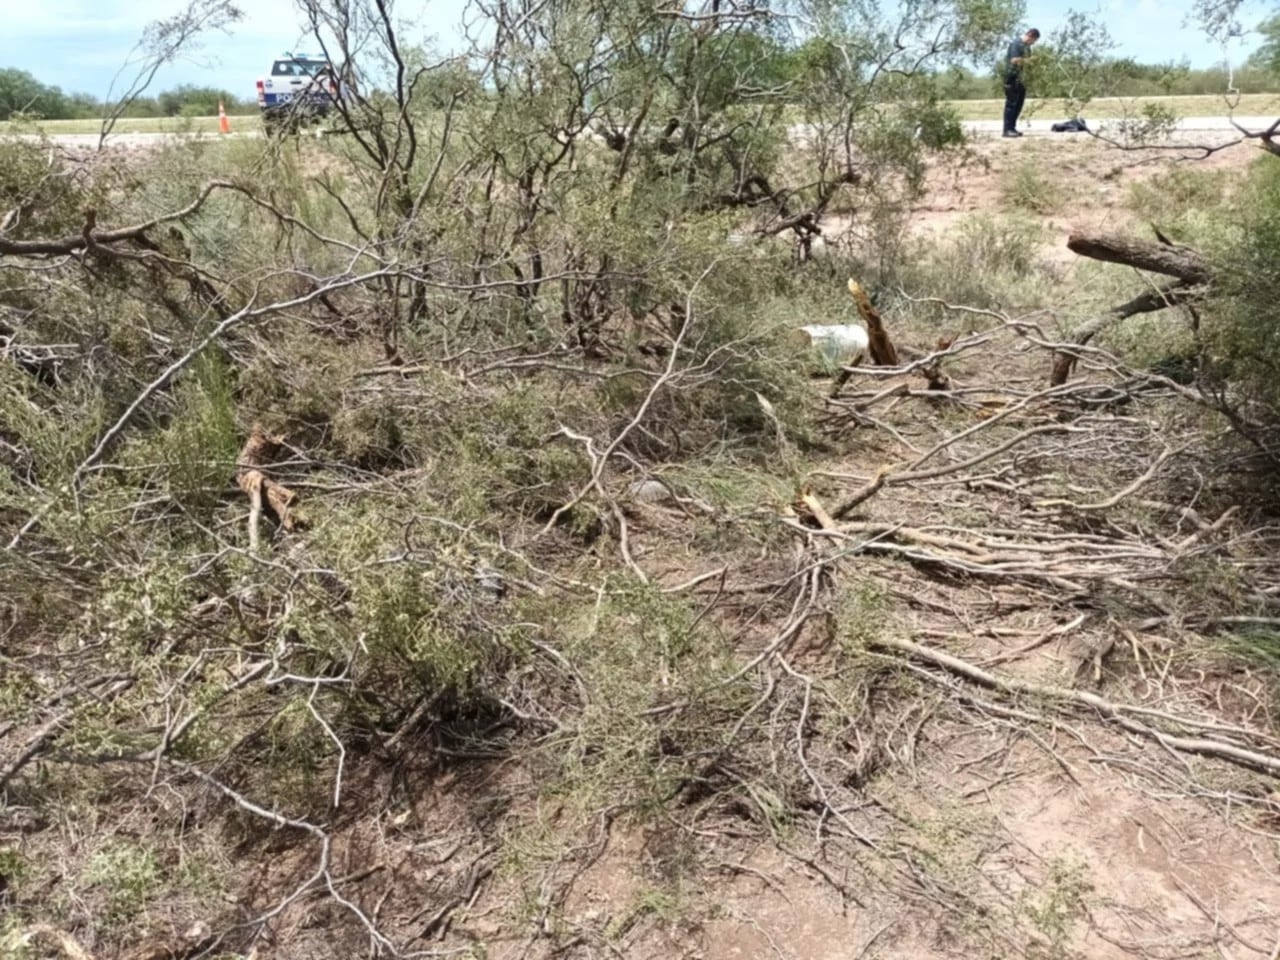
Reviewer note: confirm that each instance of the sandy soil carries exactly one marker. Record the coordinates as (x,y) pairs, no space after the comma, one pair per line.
(1090,180)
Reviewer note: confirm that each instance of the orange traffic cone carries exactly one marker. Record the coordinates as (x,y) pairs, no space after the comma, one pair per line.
(224,125)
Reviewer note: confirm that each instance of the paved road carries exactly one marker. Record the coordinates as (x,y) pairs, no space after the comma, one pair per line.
(1041,124)
(89,141)
(1036,126)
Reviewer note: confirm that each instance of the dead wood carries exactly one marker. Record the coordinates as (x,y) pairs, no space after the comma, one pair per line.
(811,511)
(881,347)
(262,491)
(1123,715)
(91,237)
(1188,265)
(1266,138)
(1158,299)
(931,368)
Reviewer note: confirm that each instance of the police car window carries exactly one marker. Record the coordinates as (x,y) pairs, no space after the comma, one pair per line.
(297,68)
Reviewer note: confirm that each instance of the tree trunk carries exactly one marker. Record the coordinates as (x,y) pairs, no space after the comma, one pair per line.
(880,346)
(1189,266)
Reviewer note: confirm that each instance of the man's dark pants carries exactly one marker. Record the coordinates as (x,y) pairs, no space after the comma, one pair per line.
(1015,95)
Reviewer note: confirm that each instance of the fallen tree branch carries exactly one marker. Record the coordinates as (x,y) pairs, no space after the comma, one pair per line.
(885,476)
(1115,498)
(1150,301)
(1118,713)
(261,489)
(1266,140)
(881,347)
(65,942)
(1188,265)
(246,313)
(89,236)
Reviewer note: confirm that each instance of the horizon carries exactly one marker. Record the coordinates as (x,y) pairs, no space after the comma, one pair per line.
(81,47)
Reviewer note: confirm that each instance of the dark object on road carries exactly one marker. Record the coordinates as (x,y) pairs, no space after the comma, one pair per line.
(1075,125)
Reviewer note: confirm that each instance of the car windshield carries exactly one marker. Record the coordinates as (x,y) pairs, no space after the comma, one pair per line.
(297,68)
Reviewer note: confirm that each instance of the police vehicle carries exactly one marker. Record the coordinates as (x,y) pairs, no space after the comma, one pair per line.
(300,88)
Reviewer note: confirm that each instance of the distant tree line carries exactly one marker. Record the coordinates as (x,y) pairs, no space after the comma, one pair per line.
(772,72)
(1128,78)
(21,94)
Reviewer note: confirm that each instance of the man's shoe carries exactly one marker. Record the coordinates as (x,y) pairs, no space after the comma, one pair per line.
(1012,133)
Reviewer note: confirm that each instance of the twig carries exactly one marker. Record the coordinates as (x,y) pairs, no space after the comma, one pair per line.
(1117,713)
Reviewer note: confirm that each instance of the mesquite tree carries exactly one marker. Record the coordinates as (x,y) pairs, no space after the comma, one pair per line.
(576,140)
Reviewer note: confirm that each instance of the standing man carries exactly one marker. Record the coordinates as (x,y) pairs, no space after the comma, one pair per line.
(1015,91)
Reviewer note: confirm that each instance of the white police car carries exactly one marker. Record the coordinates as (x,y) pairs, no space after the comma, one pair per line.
(300,88)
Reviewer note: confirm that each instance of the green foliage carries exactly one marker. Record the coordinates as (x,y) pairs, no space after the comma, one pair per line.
(635,649)
(1179,200)
(421,631)
(1267,56)
(23,96)
(985,261)
(531,301)
(21,93)
(50,194)
(1240,329)
(1218,18)
(1152,122)
(127,875)
(1059,74)
(1072,64)
(1257,651)
(1057,906)
(195,101)
(196,452)
(1025,187)
(860,615)
(14,868)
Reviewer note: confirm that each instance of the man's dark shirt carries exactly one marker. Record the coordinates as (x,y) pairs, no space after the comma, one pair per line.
(1013,71)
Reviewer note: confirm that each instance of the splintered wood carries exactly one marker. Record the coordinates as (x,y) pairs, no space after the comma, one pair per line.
(261,489)
(881,347)
(884,353)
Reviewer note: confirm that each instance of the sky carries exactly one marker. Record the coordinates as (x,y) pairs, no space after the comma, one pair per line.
(79,45)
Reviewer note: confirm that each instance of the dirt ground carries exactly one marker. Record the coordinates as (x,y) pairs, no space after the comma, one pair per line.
(1090,180)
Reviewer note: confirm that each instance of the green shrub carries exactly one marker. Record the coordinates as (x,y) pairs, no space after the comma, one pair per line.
(635,648)
(52,195)
(128,876)
(1026,187)
(1176,199)
(1241,327)
(985,262)
(198,448)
